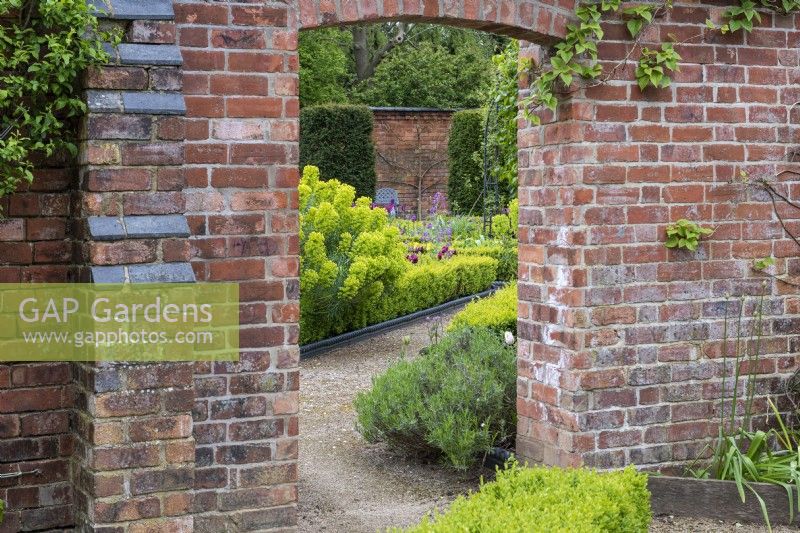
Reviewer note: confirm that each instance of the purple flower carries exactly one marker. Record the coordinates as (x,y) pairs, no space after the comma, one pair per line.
(414,258)
(437,203)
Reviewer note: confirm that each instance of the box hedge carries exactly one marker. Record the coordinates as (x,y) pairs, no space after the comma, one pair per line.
(465,184)
(550,500)
(338,140)
(435,282)
(497,312)
(505,252)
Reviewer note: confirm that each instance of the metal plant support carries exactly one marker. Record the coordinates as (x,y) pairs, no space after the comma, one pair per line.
(491,187)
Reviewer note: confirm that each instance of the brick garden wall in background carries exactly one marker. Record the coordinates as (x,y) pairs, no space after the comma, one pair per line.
(194,138)
(411,153)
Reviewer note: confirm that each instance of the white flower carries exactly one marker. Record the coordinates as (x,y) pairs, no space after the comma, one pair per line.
(509,338)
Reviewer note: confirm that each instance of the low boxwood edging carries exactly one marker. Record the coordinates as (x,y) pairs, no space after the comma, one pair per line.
(315,348)
(718,500)
(701,498)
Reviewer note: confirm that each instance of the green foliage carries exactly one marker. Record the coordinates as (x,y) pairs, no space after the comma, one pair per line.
(338,140)
(501,226)
(740,453)
(741,17)
(43,53)
(763,263)
(465,182)
(637,17)
(433,282)
(497,312)
(550,500)
(453,403)
(504,251)
(324,66)
(575,56)
(504,94)
(685,234)
(427,75)
(513,215)
(351,259)
(331,72)
(654,67)
(783,7)
(2,510)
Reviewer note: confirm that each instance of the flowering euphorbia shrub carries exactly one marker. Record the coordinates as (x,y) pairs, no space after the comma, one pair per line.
(356,270)
(350,262)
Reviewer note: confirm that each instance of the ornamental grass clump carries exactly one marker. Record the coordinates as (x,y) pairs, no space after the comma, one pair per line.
(741,453)
(453,403)
(549,500)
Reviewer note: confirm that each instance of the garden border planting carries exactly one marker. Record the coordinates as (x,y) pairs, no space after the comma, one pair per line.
(314,348)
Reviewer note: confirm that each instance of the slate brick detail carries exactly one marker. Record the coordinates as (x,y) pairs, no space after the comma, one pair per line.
(134,9)
(133,431)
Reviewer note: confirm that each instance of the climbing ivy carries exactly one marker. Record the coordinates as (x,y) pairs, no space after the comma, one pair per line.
(575,57)
(45,46)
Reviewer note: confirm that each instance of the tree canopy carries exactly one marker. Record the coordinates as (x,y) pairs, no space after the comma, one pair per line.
(397,64)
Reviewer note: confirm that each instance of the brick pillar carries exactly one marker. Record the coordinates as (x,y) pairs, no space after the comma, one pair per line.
(620,338)
(241,88)
(134,449)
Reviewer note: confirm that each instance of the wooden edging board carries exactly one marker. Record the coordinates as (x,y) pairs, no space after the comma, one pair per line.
(719,500)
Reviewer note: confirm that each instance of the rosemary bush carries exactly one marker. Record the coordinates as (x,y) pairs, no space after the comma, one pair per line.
(453,403)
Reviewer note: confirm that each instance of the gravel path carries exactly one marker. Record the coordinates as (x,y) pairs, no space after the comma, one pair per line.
(349,486)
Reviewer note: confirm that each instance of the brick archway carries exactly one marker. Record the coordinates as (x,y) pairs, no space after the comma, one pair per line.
(537,22)
(195,126)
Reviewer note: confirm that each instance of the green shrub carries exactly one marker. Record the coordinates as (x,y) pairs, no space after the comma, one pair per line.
(504,252)
(324,65)
(550,500)
(465,183)
(353,266)
(506,226)
(434,282)
(338,140)
(351,259)
(46,47)
(453,403)
(498,312)
(503,135)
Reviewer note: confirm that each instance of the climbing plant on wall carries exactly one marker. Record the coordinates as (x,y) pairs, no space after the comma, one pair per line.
(575,58)
(45,46)
(504,94)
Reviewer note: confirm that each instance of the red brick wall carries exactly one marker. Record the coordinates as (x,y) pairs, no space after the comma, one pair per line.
(36,246)
(620,356)
(36,446)
(411,154)
(619,338)
(241,87)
